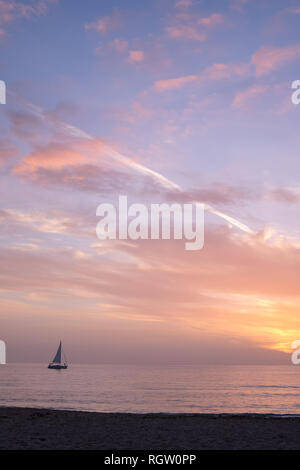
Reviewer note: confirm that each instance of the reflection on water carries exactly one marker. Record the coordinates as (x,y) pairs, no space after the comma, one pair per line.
(172,389)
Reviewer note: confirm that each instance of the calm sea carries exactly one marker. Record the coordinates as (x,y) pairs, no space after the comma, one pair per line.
(141,389)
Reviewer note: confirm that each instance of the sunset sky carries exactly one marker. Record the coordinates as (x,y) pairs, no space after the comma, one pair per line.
(140,98)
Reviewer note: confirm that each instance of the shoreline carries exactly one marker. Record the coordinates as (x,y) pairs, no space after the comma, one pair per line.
(41,428)
(156,413)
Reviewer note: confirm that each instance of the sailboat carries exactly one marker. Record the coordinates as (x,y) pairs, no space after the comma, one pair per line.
(56,363)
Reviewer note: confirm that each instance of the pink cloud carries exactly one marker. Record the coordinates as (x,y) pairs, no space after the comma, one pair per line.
(84,166)
(212,20)
(192,27)
(186,32)
(2,33)
(174,83)
(39,8)
(7,11)
(135,56)
(11,10)
(120,45)
(293,11)
(213,72)
(242,97)
(105,24)
(270,58)
(134,114)
(183,4)
(284,195)
(54,157)
(238,4)
(220,71)
(141,110)
(6,153)
(51,157)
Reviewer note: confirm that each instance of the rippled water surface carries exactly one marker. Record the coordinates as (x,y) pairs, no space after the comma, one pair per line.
(174,389)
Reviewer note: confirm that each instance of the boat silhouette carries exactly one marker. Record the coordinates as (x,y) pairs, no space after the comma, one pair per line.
(57,363)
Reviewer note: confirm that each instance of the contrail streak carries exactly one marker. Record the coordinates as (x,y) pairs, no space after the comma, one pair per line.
(143,169)
(159,178)
(229,219)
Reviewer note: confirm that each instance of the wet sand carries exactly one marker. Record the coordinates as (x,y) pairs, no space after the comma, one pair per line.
(24,428)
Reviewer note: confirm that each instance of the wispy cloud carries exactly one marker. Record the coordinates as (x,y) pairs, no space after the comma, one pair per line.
(136,56)
(11,10)
(120,45)
(105,24)
(284,195)
(238,5)
(51,157)
(183,3)
(192,26)
(7,152)
(213,72)
(185,32)
(292,10)
(242,98)
(174,83)
(212,20)
(269,58)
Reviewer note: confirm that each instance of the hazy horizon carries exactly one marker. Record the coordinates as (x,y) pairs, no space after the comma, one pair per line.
(127,356)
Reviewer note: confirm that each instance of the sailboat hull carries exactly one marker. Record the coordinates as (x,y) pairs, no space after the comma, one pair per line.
(57,366)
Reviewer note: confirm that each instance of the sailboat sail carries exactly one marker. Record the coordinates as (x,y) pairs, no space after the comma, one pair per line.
(56,363)
(57,358)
